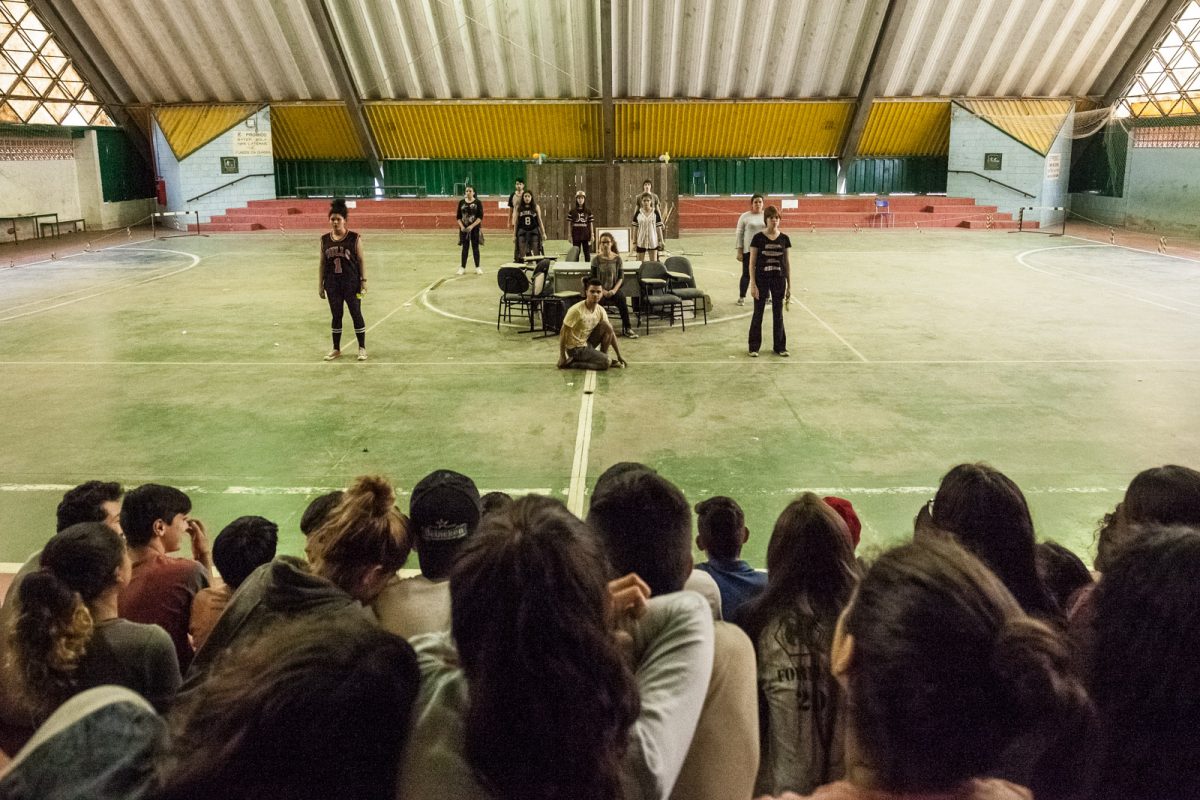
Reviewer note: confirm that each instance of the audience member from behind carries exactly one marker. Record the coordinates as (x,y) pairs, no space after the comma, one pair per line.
(156,520)
(1167,495)
(92,501)
(68,637)
(645,524)
(241,547)
(361,544)
(722,532)
(443,513)
(314,709)
(986,513)
(846,511)
(945,674)
(315,514)
(1145,677)
(802,711)
(1063,572)
(531,695)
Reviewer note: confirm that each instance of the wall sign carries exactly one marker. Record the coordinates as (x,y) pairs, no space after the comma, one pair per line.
(251,143)
(993,161)
(1053,165)
(229,165)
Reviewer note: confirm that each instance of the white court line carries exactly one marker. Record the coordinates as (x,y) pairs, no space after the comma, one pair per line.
(583,439)
(861,357)
(407,302)
(738,360)
(448,315)
(1098,279)
(1134,249)
(195,260)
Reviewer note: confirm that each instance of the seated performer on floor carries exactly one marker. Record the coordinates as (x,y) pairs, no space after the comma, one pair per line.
(587,334)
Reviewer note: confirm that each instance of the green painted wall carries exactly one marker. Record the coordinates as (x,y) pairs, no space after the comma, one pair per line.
(1162,189)
(124,173)
(888,175)
(446,177)
(294,178)
(1098,163)
(749,175)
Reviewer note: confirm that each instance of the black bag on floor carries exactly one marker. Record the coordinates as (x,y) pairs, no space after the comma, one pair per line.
(554,309)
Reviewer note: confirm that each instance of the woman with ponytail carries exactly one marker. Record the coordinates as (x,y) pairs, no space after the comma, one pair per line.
(552,683)
(950,683)
(68,638)
(342,278)
(359,546)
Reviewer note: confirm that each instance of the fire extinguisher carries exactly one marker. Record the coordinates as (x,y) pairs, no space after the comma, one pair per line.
(160,190)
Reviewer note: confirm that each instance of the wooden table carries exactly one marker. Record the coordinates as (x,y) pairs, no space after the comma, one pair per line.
(16,218)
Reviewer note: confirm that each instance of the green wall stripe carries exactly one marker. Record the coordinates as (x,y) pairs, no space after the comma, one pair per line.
(890,175)
(124,173)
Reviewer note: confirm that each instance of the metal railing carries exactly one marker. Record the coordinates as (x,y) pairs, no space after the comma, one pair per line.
(232,182)
(991,180)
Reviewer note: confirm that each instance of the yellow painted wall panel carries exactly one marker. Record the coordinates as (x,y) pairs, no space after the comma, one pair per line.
(733,129)
(486,130)
(188,128)
(313,131)
(906,128)
(1035,123)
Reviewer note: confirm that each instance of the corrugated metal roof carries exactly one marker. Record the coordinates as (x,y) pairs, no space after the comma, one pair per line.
(1034,123)
(486,130)
(907,128)
(313,131)
(218,51)
(269,50)
(725,129)
(188,128)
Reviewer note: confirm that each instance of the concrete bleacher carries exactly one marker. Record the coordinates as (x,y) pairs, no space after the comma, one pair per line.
(695,214)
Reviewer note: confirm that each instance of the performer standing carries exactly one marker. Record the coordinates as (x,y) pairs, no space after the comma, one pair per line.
(514,199)
(530,230)
(582,223)
(750,224)
(648,229)
(470,228)
(342,279)
(770,276)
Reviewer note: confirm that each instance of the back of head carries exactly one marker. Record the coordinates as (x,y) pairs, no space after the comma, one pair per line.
(1168,495)
(1063,572)
(494,501)
(52,631)
(948,675)
(1145,677)
(243,546)
(317,512)
(147,504)
(528,600)
(721,522)
(364,532)
(444,511)
(646,524)
(314,709)
(986,512)
(85,503)
(809,560)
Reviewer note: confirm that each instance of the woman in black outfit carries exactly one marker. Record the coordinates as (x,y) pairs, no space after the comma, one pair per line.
(342,279)
(581,222)
(470,228)
(530,231)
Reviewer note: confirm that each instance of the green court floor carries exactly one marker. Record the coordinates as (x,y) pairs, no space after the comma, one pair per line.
(196,361)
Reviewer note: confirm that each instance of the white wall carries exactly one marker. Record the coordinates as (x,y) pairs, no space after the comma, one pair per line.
(1022,168)
(200,172)
(37,175)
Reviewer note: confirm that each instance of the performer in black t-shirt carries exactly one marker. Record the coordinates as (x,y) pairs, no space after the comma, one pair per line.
(513,200)
(581,222)
(770,276)
(530,231)
(342,279)
(470,228)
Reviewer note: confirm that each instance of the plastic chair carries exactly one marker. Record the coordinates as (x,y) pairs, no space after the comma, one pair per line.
(681,282)
(883,213)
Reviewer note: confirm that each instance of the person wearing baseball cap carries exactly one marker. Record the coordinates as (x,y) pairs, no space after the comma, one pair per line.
(444,511)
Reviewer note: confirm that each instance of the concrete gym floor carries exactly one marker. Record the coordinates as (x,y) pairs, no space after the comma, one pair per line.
(196,361)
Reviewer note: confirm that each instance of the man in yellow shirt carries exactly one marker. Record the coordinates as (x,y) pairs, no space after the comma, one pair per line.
(587,334)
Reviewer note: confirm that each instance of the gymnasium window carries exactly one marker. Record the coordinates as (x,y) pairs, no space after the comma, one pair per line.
(1169,84)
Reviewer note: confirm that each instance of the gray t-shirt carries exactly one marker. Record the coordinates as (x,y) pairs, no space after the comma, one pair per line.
(136,656)
(608,272)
